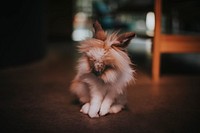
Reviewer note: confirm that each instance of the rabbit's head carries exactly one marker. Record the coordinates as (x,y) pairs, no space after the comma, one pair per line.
(106,51)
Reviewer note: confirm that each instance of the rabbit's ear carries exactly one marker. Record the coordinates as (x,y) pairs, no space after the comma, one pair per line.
(99,32)
(124,39)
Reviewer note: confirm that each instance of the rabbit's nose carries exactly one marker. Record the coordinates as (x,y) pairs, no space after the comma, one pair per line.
(99,67)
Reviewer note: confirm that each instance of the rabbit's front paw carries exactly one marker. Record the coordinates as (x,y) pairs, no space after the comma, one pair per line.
(85,108)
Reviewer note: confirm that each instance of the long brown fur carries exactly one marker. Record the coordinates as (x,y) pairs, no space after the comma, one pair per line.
(103,72)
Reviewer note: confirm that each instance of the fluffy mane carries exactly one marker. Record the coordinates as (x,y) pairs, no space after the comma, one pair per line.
(113,55)
(103,72)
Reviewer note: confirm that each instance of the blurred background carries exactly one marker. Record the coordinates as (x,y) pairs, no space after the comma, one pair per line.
(29,28)
(38,40)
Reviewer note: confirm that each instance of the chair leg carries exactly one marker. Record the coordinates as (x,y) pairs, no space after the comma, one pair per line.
(156,66)
(156,42)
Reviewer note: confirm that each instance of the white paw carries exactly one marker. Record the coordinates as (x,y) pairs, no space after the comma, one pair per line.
(93,114)
(116,108)
(103,111)
(85,108)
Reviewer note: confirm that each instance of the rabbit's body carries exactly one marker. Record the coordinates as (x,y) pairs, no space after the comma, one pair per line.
(103,72)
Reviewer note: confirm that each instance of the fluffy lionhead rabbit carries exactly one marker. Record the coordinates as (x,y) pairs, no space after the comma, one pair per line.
(103,72)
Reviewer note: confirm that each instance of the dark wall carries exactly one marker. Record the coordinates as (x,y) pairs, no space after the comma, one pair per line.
(22,31)
(26,26)
(60,15)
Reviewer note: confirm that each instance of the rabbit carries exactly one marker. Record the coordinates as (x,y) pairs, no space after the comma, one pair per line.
(103,72)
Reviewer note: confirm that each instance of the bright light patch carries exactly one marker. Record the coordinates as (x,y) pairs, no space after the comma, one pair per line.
(150,21)
(81,34)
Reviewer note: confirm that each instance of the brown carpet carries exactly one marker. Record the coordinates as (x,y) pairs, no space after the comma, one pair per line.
(35,98)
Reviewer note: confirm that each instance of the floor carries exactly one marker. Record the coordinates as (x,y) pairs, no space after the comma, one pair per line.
(35,98)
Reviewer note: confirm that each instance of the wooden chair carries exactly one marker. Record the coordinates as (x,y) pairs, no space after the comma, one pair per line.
(164,43)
